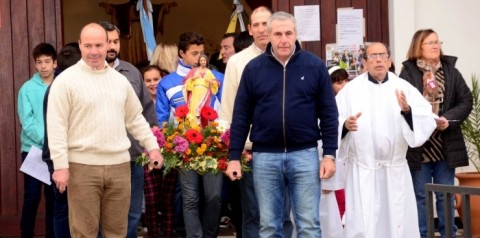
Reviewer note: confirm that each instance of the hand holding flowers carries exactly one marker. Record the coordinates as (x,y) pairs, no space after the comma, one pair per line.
(156,160)
(234,170)
(203,148)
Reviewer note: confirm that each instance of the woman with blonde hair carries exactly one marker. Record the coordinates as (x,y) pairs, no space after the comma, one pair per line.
(165,56)
(159,190)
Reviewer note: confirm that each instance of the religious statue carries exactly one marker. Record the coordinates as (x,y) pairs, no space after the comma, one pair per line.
(199,85)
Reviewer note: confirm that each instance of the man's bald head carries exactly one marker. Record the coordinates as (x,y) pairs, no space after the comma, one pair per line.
(93,28)
(261,9)
(93,45)
(258,26)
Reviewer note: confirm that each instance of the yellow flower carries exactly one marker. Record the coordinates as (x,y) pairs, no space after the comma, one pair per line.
(196,127)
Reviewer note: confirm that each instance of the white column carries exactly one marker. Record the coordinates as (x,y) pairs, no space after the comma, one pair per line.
(402,28)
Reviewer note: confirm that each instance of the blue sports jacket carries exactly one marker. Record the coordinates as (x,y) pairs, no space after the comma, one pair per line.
(169,92)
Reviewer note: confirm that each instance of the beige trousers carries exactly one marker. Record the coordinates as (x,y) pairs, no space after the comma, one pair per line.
(98,195)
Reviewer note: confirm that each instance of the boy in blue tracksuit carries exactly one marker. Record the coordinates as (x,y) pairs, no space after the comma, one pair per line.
(169,90)
(30,114)
(169,97)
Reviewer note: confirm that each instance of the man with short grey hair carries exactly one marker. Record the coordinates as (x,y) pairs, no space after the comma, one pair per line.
(276,87)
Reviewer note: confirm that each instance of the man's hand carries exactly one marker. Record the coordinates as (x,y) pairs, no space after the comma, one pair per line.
(327,168)
(156,160)
(234,170)
(442,123)
(351,122)
(60,178)
(402,100)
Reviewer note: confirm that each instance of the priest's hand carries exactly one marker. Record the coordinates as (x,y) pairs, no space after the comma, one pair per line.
(351,122)
(156,160)
(60,178)
(402,100)
(234,170)
(327,167)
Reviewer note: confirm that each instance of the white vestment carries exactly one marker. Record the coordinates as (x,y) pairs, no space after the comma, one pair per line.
(380,200)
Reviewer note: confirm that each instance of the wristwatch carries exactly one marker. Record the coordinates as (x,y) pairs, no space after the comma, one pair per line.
(330,156)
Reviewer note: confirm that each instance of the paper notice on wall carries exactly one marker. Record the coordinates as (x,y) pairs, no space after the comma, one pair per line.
(34,166)
(308,22)
(350,29)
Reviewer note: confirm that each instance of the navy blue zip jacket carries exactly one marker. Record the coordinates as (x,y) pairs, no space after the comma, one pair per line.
(282,104)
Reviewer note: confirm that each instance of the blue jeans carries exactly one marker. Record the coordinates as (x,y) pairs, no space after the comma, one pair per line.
(207,227)
(60,210)
(136,200)
(250,214)
(295,173)
(60,219)
(178,207)
(438,173)
(31,199)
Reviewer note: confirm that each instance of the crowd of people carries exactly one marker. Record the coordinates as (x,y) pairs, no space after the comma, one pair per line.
(379,137)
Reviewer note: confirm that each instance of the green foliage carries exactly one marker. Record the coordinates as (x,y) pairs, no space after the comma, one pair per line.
(471,126)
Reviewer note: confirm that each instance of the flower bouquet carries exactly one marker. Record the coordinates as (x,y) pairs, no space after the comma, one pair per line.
(203,148)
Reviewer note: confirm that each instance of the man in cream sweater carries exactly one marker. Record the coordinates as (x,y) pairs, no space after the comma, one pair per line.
(136,80)
(90,109)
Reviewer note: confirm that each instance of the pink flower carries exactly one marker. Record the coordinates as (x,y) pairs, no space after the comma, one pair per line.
(247,155)
(157,132)
(181,145)
(225,137)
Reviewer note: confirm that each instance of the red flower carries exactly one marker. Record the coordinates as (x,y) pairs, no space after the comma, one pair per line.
(181,111)
(194,136)
(208,113)
(222,164)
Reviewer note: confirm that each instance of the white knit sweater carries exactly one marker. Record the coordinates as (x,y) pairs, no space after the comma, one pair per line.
(233,73)
(88,115)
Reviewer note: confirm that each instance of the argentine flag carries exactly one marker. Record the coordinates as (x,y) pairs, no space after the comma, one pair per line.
(145,13)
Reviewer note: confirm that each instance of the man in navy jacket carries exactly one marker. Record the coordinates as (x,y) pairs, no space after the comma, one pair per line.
(282,95)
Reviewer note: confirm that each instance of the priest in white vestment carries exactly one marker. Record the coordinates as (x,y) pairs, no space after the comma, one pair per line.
(383,115)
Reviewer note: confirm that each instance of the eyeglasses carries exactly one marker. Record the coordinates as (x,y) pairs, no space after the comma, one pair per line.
(432,43)
(376,55)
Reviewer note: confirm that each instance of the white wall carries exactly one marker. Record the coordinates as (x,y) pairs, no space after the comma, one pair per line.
(457,23)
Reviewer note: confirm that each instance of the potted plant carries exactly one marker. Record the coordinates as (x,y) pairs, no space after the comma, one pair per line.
(471,134)
(471,126)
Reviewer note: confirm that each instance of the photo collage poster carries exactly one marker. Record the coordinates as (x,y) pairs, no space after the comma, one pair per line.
(348,57)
